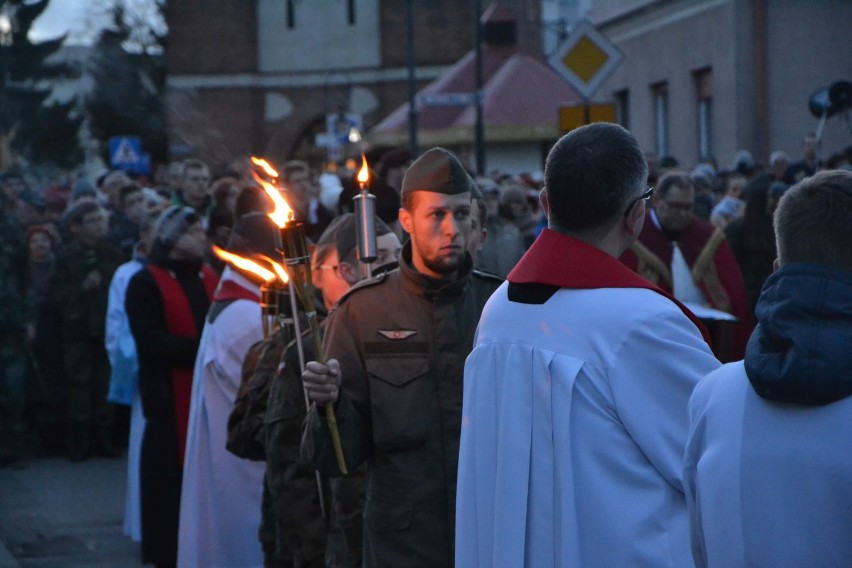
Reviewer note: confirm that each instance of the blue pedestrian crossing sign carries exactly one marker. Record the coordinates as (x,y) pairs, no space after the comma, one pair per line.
(125,153)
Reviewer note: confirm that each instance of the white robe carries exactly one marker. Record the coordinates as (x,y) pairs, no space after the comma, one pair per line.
(768,484)
(221,493)
(574,424)
(124,364)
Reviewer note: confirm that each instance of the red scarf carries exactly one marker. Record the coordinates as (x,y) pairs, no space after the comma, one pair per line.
(180,322)
(559,260)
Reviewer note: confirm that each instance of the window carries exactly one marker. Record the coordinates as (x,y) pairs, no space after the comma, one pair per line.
(622,108)
(660,95)
(704,99)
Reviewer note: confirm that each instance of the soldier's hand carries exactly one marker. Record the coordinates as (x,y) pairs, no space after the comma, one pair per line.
(322,382)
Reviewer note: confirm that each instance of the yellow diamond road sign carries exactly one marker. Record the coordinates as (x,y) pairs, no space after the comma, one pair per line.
(586,59)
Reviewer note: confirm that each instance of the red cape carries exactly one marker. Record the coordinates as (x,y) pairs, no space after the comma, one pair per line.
(559,260)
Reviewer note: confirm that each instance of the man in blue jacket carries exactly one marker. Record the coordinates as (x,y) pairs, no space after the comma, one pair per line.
(768,468)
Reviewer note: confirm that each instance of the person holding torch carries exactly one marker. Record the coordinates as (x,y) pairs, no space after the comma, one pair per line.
(396,346)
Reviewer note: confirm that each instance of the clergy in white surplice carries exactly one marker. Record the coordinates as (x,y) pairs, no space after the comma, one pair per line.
(575,394)
(221,493)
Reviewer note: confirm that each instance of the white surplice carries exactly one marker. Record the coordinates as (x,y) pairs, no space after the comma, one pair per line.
(221,493)
(573,431)
(768,483)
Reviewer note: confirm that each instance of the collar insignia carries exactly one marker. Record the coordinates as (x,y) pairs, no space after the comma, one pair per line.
(397,333)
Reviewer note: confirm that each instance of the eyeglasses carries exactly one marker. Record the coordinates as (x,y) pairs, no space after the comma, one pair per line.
(333,267)
(646,196)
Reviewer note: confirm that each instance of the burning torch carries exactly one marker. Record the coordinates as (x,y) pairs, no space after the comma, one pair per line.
(295,252)
(365,220)
(275,314)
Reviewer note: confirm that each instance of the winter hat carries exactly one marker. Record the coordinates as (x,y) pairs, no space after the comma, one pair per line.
(171,225)
(82,188)
(437,170)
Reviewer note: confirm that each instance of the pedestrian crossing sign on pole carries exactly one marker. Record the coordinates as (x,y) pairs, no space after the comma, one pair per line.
(125,153)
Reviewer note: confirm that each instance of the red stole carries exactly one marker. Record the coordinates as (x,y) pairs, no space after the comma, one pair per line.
(230,290)
(180,322)
(691,241)
(559,260)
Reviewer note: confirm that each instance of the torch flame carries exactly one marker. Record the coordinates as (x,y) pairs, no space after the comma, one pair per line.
(279,270)
(282,211)
(245,264)
(264,165)
(364,172)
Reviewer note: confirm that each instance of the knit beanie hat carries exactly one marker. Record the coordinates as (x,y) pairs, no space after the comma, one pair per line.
(171,225)
(437,170)
(82,187)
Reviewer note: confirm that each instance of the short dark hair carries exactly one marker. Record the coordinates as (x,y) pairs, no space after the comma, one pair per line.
(591,173)
(409,201)
(674,178)
(293,166)
(479,203)
(78,212)
(191,164)
(813,219)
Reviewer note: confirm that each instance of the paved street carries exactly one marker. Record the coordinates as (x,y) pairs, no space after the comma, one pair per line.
(55,514)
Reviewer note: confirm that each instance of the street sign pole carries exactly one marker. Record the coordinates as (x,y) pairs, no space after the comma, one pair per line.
(480,126)
(586,58)
(412,85)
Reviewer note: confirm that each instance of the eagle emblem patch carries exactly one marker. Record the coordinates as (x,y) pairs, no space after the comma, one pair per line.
(397,333)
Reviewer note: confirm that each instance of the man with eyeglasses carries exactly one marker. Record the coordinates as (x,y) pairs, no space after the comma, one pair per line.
(575,395)
(691,259)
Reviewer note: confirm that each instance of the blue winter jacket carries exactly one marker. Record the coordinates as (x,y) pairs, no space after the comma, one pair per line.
(801,350)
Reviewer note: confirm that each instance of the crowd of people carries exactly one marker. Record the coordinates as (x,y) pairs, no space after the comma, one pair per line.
(123,331)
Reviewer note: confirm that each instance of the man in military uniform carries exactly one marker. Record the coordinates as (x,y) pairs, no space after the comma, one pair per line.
(79,292)
(292,518)
(396,346)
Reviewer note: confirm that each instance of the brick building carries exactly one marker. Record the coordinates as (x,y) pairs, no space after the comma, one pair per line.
(710,77)
(260,76)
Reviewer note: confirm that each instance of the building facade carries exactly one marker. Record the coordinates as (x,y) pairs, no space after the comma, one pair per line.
(710,77)
(261,76)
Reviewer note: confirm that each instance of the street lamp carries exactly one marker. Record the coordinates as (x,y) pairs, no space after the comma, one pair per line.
(8,28)
(8,24)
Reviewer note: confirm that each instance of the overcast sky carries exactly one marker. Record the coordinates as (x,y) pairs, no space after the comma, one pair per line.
(61,16)
(81,18)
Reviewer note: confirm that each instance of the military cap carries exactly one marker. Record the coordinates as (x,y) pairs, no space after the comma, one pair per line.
(343,233)
(440,171)
(253,233)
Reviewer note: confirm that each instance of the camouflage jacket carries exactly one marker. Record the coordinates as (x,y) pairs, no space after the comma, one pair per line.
(82,312)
